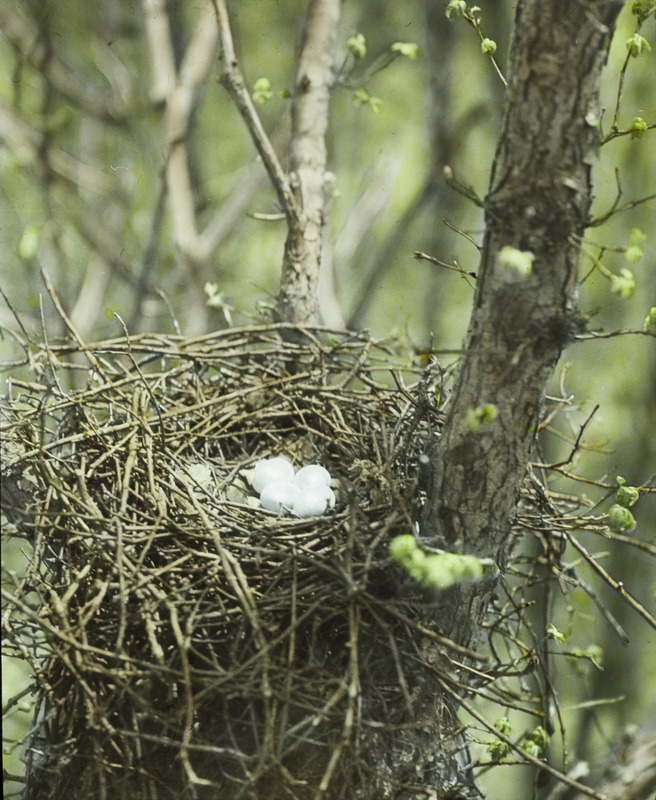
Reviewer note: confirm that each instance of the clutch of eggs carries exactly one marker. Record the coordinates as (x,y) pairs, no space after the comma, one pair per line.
(306,493)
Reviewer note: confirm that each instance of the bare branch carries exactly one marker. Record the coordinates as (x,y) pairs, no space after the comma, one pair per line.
(233,80)
(181,93)
(158,36)
(91,100)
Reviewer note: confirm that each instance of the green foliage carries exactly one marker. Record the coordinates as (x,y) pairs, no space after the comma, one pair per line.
(28,244)
(471,14)
(478,417)
(638,128)
(488,46)
(649,325)
(634,251)
(520,260)
(593,652)
(536,742)
(408,49)
(553,633)
(627,496)
(623,284)
(642,9)
(637,45)
(620,519)
(455,9)
(262,91)
(361,97)
(499,749)
(357,46)
(436,570)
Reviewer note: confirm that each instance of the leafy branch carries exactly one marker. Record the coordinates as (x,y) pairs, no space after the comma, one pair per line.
(471,15)
(636,46)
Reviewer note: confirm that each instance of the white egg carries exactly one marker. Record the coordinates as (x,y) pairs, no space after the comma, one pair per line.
(312,475)
(280,496)
(269,470)
(314,501)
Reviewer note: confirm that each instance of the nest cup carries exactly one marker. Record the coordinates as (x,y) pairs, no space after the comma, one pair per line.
(199,646)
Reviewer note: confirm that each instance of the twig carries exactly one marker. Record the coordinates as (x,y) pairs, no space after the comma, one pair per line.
(617,586)
(69,324)
(233,80)
(91,100)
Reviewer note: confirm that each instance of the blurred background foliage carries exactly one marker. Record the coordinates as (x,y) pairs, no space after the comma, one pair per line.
(84,197)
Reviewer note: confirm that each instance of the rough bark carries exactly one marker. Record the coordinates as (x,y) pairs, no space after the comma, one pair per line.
(538,203)
(298,299)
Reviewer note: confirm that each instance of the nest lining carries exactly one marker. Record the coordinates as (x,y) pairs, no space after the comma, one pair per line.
(206,647)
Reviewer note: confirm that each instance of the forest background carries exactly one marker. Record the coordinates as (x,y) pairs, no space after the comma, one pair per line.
(86,196)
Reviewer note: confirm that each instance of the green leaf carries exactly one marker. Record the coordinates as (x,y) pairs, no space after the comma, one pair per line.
(627,496)
(634,252)
(408,49)
(262,91)
(623,284)
(649,325)
(498,750)
(361,97)
(357,46)
(476,418)
(536,741)
(503,725)
(488,47)
(28,244)
(638,128)
(555,634)
(437,570)
(455,9)
(521,260)
(620,519)
(637,45)
(642,9)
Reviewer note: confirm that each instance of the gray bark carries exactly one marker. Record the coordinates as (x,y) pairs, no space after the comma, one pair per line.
(298,299)
(538,203)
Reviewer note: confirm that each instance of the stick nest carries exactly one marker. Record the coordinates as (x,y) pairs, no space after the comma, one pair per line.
(188,644)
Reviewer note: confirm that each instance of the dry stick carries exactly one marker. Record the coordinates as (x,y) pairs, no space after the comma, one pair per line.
(83,347)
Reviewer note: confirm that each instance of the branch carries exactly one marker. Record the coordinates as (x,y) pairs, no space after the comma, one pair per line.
(539,196)
(181,93)
(632,776)
(298,300)
(93,101)
(162,59)
(233,80)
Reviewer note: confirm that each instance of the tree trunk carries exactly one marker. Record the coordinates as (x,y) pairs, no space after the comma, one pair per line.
(526,297)
(298,299)
(538,204)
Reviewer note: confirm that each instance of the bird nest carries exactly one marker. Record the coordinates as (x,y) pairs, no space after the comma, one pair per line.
(187,643)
